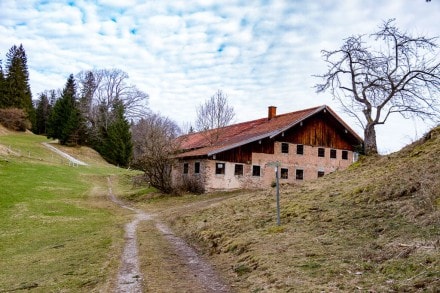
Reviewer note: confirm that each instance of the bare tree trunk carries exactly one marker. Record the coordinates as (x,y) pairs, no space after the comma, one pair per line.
(370,143)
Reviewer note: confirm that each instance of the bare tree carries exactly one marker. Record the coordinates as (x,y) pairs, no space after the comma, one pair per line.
(214,114)
(154,145)
(393,73)
(103,88)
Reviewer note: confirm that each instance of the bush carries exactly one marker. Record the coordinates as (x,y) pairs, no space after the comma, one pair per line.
(193,185)
(14,119)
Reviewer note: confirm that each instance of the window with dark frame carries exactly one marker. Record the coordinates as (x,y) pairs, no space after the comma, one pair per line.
(256,170)
(284,148)
(238,171)
(345,155)
(333,154)
(321,174)
(185,168)
(284,173)
(299,174)
(219,168)
(196,167)
(299,149)
(321,152)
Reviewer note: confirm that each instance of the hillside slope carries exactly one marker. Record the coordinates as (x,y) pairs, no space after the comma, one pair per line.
(374,227)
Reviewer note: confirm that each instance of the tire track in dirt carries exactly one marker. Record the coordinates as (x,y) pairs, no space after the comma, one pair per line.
(130,278)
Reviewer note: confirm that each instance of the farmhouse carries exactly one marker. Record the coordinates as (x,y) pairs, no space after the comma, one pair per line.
(306,144)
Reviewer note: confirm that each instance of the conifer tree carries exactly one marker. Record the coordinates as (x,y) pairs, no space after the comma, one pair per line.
(2,86)
(65,117)
(43,111)
(117,147)
(17,92)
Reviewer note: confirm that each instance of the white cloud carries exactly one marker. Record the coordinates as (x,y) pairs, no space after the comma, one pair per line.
(181,52)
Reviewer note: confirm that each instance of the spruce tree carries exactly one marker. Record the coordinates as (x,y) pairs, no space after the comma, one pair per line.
(43,112)
(117,146)
(2,86)
(65,117)
(17,92)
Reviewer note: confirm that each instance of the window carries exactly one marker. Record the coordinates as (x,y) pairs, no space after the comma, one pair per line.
(284,173)
(333,154)
(321,152)
(345,155)
(197,167)
(238,170)
(300,149)
(299,174)
(255,170)
(185,168)
(320,174)
(219,168)
(284,148)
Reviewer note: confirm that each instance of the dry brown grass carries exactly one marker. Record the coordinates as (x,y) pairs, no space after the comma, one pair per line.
(374,227)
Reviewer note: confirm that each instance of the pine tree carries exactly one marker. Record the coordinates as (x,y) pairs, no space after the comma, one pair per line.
(17,92)
(86,131)
(2,86)
(117,146)
(43,111)
(65,117)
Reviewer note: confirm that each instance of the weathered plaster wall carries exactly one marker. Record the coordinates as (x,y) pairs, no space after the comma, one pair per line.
(309,162)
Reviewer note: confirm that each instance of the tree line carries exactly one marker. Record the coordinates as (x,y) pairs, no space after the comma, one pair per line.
(92,109)
(100,109)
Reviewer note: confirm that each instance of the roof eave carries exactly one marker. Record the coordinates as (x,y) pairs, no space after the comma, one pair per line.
(232,146)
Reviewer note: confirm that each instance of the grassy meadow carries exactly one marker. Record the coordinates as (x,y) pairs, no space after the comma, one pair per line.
(58,231)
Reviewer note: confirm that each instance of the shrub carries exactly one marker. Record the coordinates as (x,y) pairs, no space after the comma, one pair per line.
(14,119)
(193,185)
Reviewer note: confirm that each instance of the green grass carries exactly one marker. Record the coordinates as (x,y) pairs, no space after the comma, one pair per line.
(58,231)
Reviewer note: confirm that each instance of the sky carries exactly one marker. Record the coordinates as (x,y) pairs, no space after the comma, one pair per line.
(260,53)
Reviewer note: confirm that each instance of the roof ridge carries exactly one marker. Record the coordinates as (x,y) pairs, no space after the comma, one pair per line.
(255,120)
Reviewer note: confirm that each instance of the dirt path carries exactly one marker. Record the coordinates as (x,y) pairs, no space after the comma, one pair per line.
(130,277)
(71,159)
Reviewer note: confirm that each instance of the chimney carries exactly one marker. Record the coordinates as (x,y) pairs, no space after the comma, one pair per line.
(272,112)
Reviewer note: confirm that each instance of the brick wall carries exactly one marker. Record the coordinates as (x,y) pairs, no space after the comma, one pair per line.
(308,163)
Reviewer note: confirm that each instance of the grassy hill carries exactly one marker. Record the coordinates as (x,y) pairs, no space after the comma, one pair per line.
(372,228)
(58,230)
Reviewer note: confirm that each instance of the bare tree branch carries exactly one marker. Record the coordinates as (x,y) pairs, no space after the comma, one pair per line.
(214,114)
(396,73)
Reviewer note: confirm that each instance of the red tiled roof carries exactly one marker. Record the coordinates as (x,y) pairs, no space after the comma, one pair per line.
(197,144)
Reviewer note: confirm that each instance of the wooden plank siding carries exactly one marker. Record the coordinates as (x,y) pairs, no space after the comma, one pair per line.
(243,154)
(320,130)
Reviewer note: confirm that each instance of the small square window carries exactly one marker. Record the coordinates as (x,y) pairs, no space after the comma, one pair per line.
(197,167)
(299,174)
(300,149)
(321,152)
(321,174)
(185,168)
(220,168)
(345,155)
(284,173)
(238,170)
(284,148)
(255,170)
(333,154)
